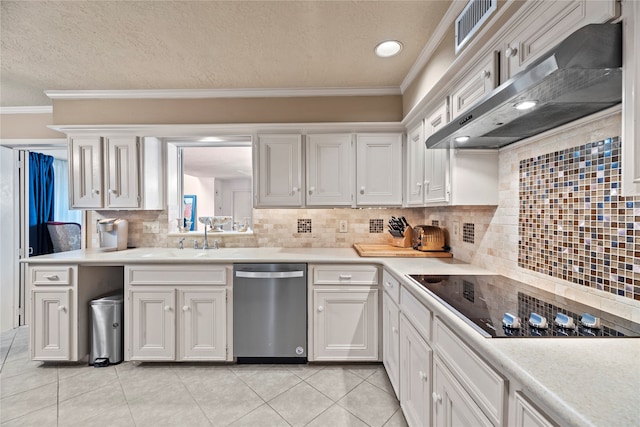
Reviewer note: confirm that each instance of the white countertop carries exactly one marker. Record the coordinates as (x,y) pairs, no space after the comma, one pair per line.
(581,382)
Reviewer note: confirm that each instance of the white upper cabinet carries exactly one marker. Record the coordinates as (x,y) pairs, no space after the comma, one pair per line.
(330,172)
(379,169)
(476,83)
(416,154)
(85,172)
(279,170)
(122,167)
(546,24)
(436,160)
(631,99)
(116,172)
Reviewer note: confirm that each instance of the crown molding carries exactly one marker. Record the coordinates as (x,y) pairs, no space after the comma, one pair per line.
(222,93)
(203,130)
(43,109)
(435,39)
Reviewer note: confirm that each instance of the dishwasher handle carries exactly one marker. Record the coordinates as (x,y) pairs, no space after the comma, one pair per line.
(270,274)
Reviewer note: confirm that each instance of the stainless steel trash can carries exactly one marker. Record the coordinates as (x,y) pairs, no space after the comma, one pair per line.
(106,331)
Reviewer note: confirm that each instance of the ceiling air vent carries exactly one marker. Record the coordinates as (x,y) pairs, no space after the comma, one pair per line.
(471,19)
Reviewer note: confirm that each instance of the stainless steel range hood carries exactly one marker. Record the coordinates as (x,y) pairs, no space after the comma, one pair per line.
(580,76)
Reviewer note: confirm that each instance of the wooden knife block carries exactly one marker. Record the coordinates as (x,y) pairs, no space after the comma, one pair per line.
(403,242)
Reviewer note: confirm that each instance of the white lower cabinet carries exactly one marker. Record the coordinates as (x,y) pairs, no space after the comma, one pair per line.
(202,324)
(184,318)
(345,324)
(453,407)
(525,414)
(391,340)
(343,312)
(415,375)
(60,324)
(152,324)
(51,324)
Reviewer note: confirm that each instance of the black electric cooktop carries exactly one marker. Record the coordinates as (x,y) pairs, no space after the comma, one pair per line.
(500,307)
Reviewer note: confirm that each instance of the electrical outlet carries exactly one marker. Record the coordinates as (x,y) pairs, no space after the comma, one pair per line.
(343,226)
(456,229)
(152,227)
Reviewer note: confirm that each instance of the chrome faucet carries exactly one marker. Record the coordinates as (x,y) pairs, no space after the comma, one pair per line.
(180,243)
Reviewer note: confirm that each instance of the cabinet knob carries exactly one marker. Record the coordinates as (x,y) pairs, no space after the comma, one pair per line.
(311,190)
(418,184)
(52,277)
(388,285)
(436,397)
(345,277)
(112,191)
(167,308)
(510,51)
(62,308)
(295,189)
(423,375)
(484,74)
(362,190)
(94,191)
(395,330)
(185,308)
(320,308)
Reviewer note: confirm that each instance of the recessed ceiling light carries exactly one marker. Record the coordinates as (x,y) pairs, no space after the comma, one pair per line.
(461,139)
(388,48)
(525,105)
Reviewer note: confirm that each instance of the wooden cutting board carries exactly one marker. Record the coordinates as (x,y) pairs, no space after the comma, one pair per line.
(378,250)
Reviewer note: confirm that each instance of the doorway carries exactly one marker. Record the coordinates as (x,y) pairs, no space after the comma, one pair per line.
(14,228)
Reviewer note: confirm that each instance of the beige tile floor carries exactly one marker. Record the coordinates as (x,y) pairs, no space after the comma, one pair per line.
(175,394)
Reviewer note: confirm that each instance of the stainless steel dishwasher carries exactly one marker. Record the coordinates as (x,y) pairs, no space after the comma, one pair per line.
(270,313)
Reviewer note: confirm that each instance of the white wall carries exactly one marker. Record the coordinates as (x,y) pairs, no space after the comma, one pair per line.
(9,238)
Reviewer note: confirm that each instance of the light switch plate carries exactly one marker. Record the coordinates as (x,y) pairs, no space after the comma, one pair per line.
(456,229)
(343,226)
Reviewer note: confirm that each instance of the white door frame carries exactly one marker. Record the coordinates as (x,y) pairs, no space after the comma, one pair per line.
(20,241)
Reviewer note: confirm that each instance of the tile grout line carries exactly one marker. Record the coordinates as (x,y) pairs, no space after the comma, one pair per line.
(124,394)
(192,396)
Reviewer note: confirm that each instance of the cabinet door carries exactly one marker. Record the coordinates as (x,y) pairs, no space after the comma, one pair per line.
(527,415)
(379,169)
(330,167)
(85,172)
(51,324)
(474,85)
(453,407)
(345,324)
(280,170)
(391,340)
(152,328)
(546,25)
(436,160)
(203,324)
(415,375)
(122,168)
(415,166)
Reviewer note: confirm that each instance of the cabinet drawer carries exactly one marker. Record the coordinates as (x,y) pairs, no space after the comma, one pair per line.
(173,275)
(391,286)
(483,384)
(345,274)
(416,312)
(60,275)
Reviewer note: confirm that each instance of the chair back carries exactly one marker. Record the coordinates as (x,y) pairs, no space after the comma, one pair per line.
(65,236)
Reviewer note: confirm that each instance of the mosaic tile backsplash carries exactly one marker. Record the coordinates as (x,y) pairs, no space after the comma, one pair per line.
(573,224)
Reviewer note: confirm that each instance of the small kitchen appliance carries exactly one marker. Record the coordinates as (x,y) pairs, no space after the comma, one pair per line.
(113,234)
(500,307)
(428,238)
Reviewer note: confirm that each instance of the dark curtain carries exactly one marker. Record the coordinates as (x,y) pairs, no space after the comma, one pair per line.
(40,202)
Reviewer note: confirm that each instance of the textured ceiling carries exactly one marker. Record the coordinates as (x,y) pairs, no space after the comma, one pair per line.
(82,45)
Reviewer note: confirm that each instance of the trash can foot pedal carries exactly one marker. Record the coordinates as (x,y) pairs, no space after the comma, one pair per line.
(101,363)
